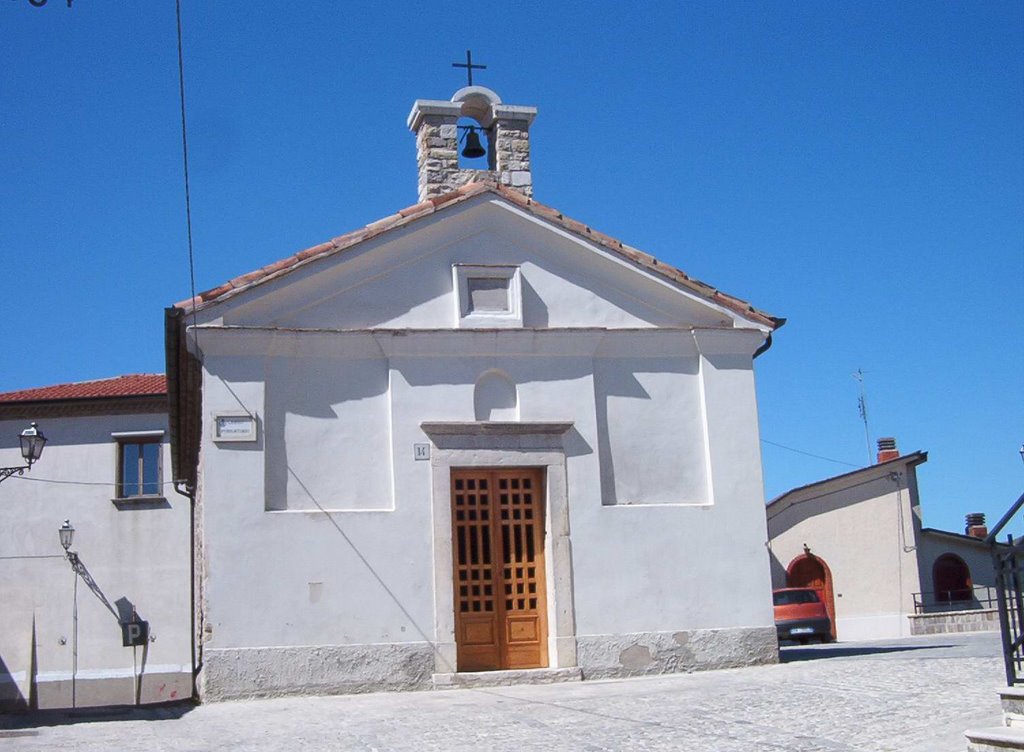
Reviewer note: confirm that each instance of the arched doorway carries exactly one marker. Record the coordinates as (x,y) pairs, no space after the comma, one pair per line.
(951,578)
(808,570)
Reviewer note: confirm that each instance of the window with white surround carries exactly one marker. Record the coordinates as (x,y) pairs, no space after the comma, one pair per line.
(139,464)
(488,296)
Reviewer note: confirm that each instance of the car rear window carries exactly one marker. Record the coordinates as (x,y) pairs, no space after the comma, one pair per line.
(789,597)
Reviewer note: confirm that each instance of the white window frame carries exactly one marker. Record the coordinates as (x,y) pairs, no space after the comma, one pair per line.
(512,318)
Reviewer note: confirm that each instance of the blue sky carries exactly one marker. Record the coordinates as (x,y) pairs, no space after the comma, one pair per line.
(855,168)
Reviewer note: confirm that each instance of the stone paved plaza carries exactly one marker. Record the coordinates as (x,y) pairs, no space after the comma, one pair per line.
(911,695)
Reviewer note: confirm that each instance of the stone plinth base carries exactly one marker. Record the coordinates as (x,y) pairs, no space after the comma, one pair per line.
(646,653)
(237,673)
(99,688)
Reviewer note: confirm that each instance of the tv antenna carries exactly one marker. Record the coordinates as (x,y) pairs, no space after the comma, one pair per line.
(862,407)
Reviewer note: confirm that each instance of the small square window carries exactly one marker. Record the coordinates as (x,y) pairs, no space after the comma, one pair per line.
(139,467)
(487,296)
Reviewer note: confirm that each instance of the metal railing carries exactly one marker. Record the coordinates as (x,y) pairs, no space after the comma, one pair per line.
(1008,560)
(967,599)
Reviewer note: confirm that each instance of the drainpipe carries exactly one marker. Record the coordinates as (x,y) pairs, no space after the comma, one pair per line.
(181,431)
(184,489)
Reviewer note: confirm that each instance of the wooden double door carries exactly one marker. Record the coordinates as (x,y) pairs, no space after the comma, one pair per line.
(498,548)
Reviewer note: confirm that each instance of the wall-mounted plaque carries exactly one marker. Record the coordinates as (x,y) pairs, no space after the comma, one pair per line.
(234,427)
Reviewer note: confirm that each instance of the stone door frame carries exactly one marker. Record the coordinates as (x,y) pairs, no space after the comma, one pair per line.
(495,445)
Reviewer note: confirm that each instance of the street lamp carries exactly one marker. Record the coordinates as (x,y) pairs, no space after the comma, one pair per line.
(1022,451)
(32,443)
(66,532)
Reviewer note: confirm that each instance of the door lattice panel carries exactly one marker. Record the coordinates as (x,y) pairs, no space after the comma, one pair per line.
(498,537)
(474,568)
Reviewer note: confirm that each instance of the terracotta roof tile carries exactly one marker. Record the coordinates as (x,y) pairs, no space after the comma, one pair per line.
(422,206)
(215,292)
(546,212)
(385,223)
(349,238)
(314,251)
(132,385)
(432,205)
(518,198)
(278,266)
(444,198)
(252,276)
(422,211)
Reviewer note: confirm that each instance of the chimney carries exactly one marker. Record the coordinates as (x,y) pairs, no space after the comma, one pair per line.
(887,450)
(506,129)
(974,525)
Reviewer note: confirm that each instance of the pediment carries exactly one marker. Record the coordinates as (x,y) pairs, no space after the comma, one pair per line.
(404,279)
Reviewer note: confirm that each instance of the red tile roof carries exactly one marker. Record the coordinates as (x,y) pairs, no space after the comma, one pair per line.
(431,206)
(132,385)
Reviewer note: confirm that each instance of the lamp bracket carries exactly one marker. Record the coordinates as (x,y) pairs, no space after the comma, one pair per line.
(7,472)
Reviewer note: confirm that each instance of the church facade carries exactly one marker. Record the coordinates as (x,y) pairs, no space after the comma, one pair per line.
(473,441)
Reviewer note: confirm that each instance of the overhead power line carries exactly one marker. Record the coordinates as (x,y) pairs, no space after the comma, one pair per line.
(184,152)
(80,482)
(810,454)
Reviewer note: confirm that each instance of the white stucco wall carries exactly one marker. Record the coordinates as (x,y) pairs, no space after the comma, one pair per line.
(865,527)
(324,530)
(139,554)
(362,570)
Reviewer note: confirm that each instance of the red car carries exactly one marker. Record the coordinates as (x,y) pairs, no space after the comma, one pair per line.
(800,615)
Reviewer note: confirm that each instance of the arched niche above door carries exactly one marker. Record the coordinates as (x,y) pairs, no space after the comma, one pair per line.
(495,397)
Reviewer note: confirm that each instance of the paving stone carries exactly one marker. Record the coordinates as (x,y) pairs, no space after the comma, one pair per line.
(912,695)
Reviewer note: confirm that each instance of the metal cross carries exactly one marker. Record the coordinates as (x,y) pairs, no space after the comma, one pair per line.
(469,66)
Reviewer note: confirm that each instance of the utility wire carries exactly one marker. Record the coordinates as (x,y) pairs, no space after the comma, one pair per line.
(172,482)
(809,454)
(83,482)
(184,152)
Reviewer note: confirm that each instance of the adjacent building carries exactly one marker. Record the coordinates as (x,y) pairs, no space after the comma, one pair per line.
(66,619)
(858,538)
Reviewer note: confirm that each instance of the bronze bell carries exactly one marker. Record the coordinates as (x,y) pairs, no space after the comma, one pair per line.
(473,147)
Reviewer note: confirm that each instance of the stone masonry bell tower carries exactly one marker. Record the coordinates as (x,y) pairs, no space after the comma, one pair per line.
(507,128)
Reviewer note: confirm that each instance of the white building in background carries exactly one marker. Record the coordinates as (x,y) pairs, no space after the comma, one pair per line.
(473,436)
(106,469)
(858,538)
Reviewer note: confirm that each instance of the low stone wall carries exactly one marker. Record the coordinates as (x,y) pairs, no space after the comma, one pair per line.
(974,620)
